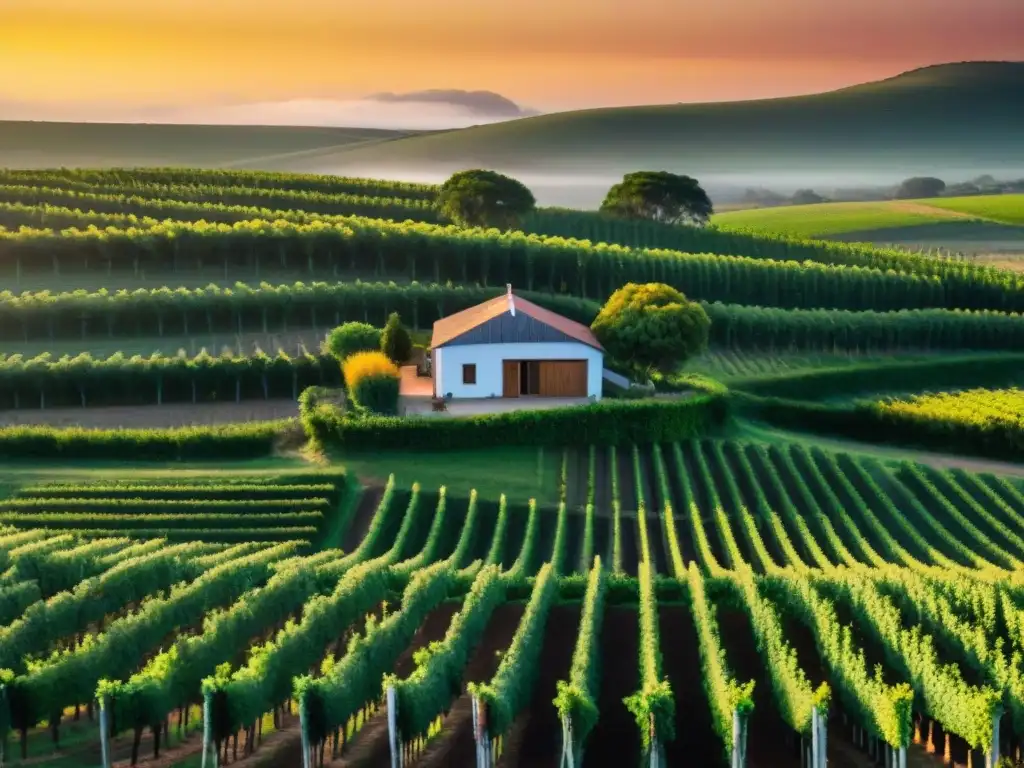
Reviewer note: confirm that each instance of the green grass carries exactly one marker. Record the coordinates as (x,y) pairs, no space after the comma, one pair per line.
(728,365)
(520,473)
(825,219)
(1005,209)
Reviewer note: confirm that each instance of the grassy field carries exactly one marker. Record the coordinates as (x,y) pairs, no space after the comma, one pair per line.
(1005,209)
(827,219)
(987,227)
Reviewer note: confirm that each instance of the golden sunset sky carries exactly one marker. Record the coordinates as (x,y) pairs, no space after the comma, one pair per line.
(547,54)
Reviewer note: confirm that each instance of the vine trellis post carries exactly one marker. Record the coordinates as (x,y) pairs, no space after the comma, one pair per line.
(209,749)
(394,738)
(105,731)
(568,758)
(484,753)
(739,739)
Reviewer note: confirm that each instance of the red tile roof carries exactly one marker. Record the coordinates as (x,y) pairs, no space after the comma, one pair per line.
(449,328)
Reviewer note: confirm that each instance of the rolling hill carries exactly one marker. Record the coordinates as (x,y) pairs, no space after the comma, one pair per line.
(956,118)
(953,120)
(46,145)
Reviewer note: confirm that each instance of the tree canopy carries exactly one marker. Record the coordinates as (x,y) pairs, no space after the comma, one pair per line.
(395,341)
(349,338)
(920,186)
(659,196)
(651,326)
(480,198)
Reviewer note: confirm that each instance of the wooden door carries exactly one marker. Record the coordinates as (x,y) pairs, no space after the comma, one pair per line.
(563,378)
(510,378)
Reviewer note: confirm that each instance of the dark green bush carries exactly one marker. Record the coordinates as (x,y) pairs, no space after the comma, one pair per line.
(349,338)
(228,441)
(618,422)
(376,395)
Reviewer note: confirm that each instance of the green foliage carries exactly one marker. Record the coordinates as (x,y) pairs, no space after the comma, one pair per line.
(82,380)
(376,394)
(659,196)
(349,338)
(395,341)
(654,705)
(577,696)
(920,186)
(70,677)
(235,441)
(984,421)
(265,681)
(511,688)
(220,177)
(960,371)
(609,422)
(651,327)
(428,692)
(173,677)
(43,624)
(352,681)
(725,694)
(479,198)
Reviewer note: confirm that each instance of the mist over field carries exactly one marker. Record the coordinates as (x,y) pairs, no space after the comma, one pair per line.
(437,109)
(586,191)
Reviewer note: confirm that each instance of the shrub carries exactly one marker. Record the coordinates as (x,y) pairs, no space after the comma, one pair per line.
(349,338)
(395,341)
(651,327)
(617,422)
(372,381)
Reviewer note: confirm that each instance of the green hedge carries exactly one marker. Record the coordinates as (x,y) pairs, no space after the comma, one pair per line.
(137,506)
(116,520)
(865,422)
(303,534)
(221,442)
(919,375)
(618,422)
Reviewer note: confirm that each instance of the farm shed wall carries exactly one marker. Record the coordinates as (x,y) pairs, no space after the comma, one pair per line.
(488,358)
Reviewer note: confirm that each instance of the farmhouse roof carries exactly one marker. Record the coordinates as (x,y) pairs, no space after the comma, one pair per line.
(514,320)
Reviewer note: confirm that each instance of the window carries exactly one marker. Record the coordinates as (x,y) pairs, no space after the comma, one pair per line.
(469,374)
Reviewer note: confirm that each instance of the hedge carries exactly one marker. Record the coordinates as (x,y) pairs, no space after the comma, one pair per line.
(942,373)
(865,422)
(618,422)
(220,442)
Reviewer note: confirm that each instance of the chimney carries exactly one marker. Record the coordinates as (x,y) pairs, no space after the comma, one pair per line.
(511,301)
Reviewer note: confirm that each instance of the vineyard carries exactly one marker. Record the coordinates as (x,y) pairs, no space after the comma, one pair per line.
(773,579)
(656,581)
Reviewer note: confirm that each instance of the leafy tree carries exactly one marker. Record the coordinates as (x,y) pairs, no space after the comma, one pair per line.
(349,338)
(920,186)
(651,327)
(659,196)
(806,197)
(485,199)
(395,341)
(372,381)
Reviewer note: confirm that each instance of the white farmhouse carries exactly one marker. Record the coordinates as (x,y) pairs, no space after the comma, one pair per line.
(510,347)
